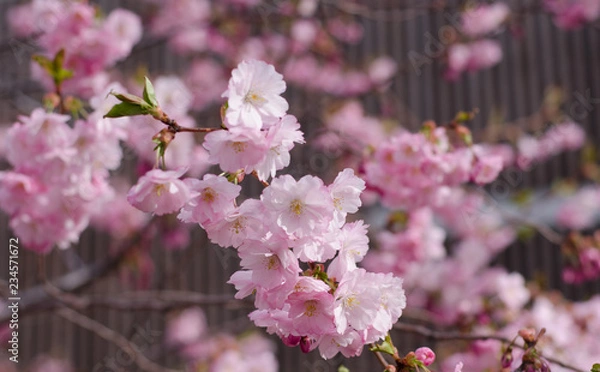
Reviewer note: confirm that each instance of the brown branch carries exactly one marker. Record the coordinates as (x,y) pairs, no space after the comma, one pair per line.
(547,232)
(381,359)
(174,127)
(113,337)
(450,336)
(149,300)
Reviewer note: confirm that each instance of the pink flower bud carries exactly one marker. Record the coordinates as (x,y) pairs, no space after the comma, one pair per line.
(291,340)
(425,355)
(306,344)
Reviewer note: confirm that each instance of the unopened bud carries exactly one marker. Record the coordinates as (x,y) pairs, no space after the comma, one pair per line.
(528,334)
(305,344)
(51,100)
(164,137)
(425,355)
(507,359)
(291,340)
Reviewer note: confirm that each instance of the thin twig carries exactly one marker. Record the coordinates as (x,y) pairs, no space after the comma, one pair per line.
(450,336)
(149,300)
(380,358)
(113,337)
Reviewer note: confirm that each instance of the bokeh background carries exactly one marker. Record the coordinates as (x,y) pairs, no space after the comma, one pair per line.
(537,57)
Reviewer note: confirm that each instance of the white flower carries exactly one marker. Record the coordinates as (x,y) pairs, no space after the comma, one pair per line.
(254,96)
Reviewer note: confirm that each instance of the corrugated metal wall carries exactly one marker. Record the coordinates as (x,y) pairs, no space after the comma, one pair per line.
(541,57)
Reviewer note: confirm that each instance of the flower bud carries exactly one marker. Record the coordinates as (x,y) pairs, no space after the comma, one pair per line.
(291,340)
(528,334)
(425,355)
(305,344)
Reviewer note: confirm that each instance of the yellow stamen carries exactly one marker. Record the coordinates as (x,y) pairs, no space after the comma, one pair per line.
(297,207)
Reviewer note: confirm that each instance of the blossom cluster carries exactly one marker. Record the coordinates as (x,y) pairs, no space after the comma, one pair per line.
(558,138)
(571,14)
(434,166)
(60,174)
(285,237)
(204,30)
(478,52)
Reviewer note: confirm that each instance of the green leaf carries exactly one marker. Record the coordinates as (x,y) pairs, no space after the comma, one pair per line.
(385,347)
(596,367)
(54,67)
(149,94)
(343,368)
(44,62)
(62,74)
(463,116)
(126,109)
(129,98)
(59,60)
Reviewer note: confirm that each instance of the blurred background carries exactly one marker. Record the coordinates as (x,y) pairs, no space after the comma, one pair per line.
(539,60)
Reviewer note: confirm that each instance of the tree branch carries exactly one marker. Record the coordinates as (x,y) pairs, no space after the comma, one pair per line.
(150,300)
(113,337)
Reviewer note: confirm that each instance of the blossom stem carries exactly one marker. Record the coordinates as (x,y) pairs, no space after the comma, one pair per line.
(381,359)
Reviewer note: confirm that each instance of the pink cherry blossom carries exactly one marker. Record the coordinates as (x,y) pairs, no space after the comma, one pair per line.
(254,95)
(300,207)
(187,327)
(280,138)
(311,308)
(160,192)
(356,302)
(211,199)
(352,243)
(236,149)
(238,225)
(345,192)
(486,169)
(483,19)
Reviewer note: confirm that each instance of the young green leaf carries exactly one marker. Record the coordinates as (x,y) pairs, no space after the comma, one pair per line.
(126,109)
(149,94)
(596,367)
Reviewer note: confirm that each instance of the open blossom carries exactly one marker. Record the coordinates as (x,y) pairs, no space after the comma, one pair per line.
(352,244)
(235,149)
(159,192)
(271,264)
(211,198)
(300,207)
(483,18)
(187,327)
(311,308)
(280,138)
(486,169)
(345,192)
(474,56)
(238,225)
(254,96)
(357,303)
